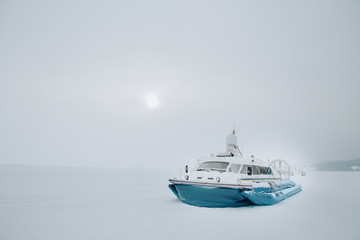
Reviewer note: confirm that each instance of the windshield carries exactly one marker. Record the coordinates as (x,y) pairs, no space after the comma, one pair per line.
(214,166)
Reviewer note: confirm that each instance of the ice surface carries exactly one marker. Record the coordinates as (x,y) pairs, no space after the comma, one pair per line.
(45,203)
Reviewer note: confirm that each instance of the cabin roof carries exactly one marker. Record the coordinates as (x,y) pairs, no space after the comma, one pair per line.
(238,160)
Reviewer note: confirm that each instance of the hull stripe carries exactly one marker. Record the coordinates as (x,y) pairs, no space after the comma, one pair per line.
(251,179)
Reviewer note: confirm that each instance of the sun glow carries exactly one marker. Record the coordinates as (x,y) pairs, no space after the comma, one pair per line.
(152,101)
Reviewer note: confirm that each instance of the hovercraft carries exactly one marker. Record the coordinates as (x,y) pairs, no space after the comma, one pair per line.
(231,180)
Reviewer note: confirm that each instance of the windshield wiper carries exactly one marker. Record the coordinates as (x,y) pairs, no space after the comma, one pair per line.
(203,169)
(216,169)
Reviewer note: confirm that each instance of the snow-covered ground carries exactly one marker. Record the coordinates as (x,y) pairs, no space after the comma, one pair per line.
(45,203)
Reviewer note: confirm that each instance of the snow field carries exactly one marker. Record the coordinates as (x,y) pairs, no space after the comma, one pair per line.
(45,203)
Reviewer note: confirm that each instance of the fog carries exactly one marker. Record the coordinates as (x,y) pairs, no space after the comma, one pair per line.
(74,77)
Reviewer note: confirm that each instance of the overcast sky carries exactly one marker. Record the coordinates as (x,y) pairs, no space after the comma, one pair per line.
(74,76)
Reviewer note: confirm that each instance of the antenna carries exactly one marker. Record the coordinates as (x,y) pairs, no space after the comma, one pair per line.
(234,129)
(235,145)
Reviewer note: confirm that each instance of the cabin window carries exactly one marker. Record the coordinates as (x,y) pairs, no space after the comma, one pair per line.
(256,170)
(265,170)
(246,169)
(217,166)
(234,168)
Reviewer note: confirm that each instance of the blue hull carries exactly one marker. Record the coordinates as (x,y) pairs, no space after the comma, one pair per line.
(209,196)
(264,198)
(206,196)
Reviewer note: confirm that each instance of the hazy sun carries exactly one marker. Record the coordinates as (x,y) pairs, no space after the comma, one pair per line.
(152,101)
